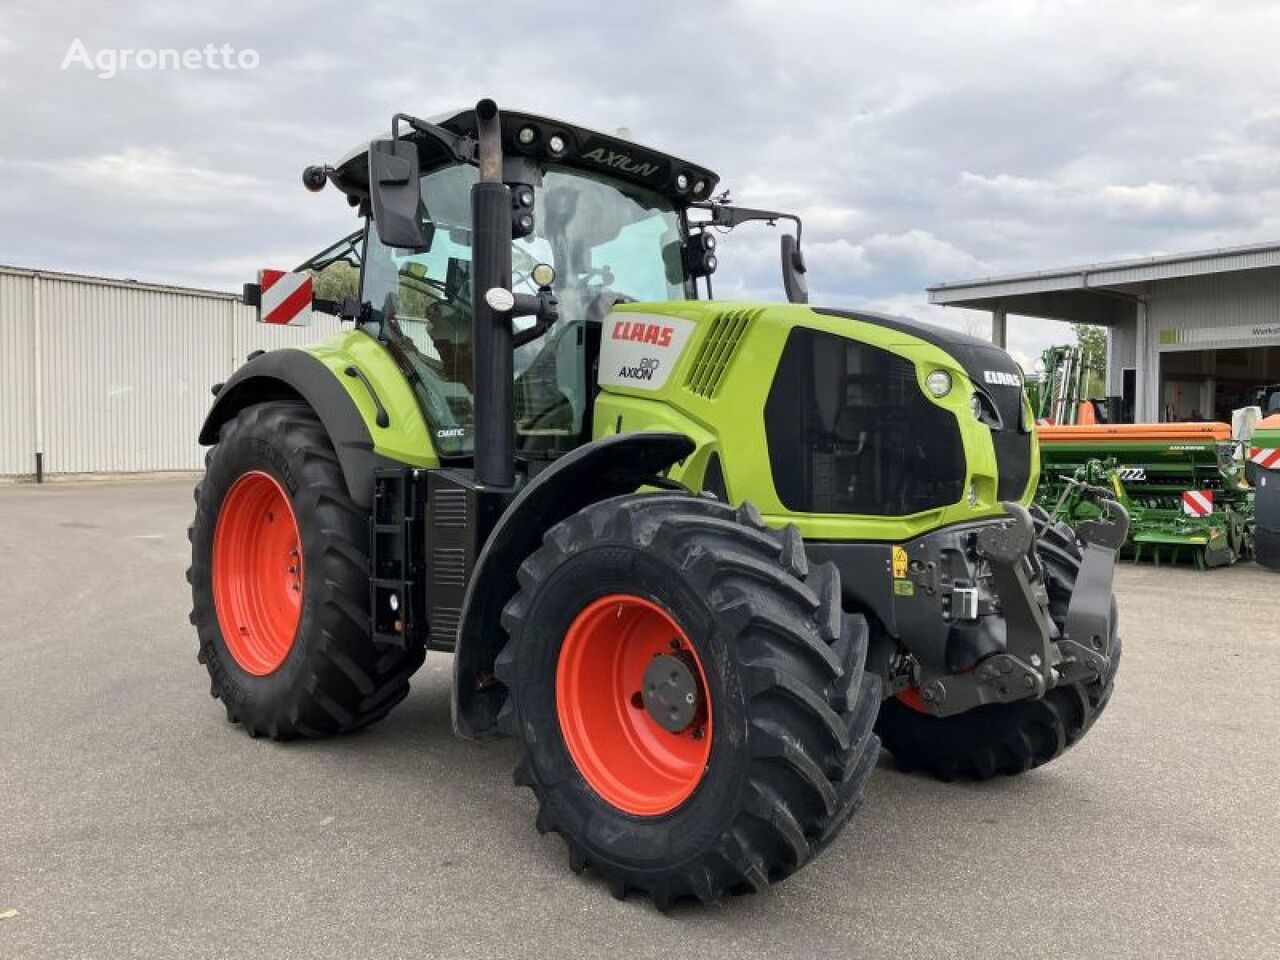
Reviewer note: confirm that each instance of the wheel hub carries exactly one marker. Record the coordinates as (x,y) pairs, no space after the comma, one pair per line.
(671,692)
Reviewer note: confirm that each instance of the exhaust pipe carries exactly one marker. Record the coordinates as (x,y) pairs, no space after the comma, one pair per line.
(489,135)
(492,355)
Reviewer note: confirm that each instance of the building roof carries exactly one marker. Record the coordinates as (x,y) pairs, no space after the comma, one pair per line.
(1092,293)
(124,282)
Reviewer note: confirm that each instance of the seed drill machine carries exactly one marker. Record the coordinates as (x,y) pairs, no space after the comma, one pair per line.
(699,558)
(1183,484)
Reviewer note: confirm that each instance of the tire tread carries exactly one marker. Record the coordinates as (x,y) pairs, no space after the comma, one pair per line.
(812,708)
(347,681)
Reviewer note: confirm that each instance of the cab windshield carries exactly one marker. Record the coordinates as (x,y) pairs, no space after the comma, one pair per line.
(608,242)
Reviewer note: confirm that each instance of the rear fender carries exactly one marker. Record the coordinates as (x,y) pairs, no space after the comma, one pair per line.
(296,375)
(606,468)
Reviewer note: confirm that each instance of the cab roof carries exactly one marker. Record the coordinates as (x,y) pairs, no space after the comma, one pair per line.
(586,149)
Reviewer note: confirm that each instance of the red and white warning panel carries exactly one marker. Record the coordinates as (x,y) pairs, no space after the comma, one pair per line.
(1197,503)
(285,298)
(1267,457)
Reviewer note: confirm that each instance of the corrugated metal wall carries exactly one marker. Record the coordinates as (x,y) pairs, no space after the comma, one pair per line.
(1227,301)
(1226,310)
(1122,351)
(17,376)
(124,372)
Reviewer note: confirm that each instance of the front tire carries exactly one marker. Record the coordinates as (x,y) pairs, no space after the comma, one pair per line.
(1007,738)
(280,583)
(768,760)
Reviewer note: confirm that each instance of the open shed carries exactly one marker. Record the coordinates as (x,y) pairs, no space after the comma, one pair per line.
(1189,336)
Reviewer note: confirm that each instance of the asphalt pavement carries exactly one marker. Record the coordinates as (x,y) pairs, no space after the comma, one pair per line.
(136,822)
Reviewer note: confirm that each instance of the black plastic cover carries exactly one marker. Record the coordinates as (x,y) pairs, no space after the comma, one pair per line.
(994,372)
(850,431)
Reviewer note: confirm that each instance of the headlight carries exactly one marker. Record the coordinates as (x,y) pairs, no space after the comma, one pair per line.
(543,274)
(939,383)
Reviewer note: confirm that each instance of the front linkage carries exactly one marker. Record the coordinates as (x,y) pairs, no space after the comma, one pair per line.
(1037,655)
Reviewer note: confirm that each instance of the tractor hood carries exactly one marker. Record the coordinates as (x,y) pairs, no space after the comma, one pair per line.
(986,364)
(995,376)
(533,136)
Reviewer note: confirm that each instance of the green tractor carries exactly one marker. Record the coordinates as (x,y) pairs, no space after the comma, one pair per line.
(700,558)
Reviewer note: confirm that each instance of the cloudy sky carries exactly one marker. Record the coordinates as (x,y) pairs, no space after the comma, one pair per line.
(922,142)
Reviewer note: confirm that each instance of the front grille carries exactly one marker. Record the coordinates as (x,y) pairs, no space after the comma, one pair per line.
(1013,457)
(850,431)
(1012,444)
(988,367)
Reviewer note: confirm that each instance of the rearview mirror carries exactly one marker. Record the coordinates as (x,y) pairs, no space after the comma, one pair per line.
(793,271)
(395,194)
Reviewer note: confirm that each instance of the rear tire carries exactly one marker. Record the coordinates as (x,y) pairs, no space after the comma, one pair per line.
(788,714)
(325,676)
(1008,738)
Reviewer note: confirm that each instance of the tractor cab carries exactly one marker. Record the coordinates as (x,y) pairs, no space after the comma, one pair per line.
(596,220)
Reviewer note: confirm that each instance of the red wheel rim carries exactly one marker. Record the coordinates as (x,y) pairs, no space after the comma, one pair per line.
(257,572)
(912,698)
(630,760)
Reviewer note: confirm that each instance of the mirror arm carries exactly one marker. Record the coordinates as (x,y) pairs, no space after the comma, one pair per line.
(463,149)
(728,216)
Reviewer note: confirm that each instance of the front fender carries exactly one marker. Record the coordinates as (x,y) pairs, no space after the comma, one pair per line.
(608,467)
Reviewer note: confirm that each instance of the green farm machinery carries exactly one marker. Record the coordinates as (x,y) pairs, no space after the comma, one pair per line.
(1183,484)
(1264,476)
(1062,388)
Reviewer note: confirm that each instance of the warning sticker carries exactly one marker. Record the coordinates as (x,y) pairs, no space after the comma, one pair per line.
(904,588)
(899,563)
